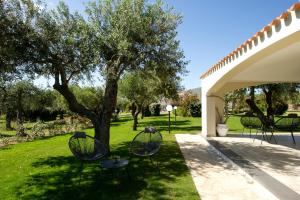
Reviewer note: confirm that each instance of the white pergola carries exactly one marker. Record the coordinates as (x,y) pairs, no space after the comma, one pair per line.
(272,55)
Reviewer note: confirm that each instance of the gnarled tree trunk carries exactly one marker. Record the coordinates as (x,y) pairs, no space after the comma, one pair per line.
(258,112)
(8,120)
(270,110)
(109,104)
(136,109)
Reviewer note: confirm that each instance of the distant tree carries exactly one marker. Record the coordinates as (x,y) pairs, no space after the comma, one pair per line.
(139,92)
(21,98)
(90,97)
(185,101)
(236,99)
(276,98)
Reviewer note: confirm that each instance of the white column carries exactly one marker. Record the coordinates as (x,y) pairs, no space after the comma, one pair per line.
(209,114)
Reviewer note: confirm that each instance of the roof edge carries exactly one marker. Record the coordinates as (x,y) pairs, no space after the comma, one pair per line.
(285,16)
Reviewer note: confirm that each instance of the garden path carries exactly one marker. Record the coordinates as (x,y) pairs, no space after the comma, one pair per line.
(215,177)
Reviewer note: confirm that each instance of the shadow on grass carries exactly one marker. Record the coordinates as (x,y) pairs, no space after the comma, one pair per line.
(121,121)
(178,126)
(5,135)
(59,177)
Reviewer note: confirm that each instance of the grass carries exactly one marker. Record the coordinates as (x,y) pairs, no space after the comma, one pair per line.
(45,169)
(235,125)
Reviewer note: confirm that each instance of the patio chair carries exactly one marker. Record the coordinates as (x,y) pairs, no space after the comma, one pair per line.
(86,148)
(248,122)
(146,143)
(289,123)
(253,122)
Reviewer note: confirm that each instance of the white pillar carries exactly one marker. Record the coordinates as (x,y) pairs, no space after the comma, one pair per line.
(210,104)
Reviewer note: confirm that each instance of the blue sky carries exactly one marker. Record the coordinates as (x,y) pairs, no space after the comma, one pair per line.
(213,28)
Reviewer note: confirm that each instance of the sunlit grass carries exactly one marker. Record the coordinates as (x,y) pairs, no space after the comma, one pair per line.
(46,169)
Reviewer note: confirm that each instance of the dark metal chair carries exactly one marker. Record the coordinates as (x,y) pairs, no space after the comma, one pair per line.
(86,148)
(250,122)
(253,122)
(146,143)
(289,123)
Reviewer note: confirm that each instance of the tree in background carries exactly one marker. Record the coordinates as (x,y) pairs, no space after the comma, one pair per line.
(188,101)
(21,98)
(141,89)
(276,97)
(236,100)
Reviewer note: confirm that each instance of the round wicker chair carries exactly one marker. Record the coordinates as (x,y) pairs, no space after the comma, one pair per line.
(86,148)
(146,143)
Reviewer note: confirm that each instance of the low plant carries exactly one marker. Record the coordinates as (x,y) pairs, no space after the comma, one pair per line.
(195,109)
(155,109)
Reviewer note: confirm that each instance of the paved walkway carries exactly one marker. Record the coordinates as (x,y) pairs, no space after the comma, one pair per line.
(280,161)
(215,177)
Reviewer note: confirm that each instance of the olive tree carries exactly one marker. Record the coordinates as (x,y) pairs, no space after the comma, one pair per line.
(276,97)
(142,89)
(120,36)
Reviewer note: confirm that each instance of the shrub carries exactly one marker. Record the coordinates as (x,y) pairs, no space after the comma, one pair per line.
(195,109)
(182,112)
(280,108)
(186,100)
(146,111)
(155,109)
(115,117)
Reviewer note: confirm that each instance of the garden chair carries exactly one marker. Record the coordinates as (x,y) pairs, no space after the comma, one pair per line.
(146,143)
(86,148)
(248,121)
(289,123)
(253,122)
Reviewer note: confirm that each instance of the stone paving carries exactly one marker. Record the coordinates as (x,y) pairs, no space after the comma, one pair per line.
(281,161)
(215,177)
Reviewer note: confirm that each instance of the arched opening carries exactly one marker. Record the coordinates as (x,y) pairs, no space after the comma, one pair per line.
(271,56)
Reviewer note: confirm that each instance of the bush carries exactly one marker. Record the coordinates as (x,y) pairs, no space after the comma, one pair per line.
(43,115)
(185,102)
(115,117)
(146,111)
(195,109)
(280,108)
(182,112)
(155,109)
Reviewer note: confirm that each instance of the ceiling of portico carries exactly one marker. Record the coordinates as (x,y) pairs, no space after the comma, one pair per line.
(281,66)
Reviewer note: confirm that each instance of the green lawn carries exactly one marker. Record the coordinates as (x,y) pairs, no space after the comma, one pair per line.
(235,125)
(45,169)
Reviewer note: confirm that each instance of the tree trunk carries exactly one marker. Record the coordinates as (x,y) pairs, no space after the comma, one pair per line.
(76,107)
(109,104)
(20,120)
(265,121)
(8,121)
(143,112)
(61,115)
(270,110)
(252,93)
(100,121)
(135,111)
(135,121)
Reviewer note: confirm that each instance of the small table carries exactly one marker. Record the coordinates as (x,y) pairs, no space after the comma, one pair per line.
(113,164)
